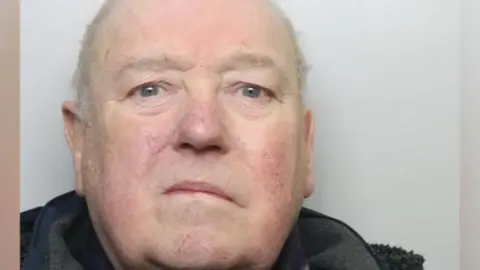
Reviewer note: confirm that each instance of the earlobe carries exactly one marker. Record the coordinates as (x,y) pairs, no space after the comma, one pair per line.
(74,135)
(309,136)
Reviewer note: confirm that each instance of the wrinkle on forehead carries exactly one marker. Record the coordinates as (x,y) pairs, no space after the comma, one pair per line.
(115,12)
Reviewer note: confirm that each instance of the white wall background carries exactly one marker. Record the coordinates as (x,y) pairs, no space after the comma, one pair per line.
(385,86)
(50,33)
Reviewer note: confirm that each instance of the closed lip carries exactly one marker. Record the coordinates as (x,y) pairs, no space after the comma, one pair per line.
(198,187)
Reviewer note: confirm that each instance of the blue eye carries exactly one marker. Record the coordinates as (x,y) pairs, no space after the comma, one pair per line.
(252,91)
(148,90)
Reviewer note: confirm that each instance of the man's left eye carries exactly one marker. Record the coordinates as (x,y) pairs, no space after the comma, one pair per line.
(252,91)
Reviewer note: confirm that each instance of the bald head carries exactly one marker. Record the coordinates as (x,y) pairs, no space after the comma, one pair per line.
(101,22)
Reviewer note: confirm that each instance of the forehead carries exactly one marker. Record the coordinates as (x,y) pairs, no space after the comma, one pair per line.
(200,29)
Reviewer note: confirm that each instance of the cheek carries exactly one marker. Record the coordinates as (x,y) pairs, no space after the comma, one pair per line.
(133,145)
(131,149)
(273,160)
(273,197)
(132,155)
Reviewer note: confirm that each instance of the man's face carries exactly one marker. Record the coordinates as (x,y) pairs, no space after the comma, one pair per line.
(197,152)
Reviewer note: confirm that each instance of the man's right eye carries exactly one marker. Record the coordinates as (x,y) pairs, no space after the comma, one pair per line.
(152,94)
(148,90)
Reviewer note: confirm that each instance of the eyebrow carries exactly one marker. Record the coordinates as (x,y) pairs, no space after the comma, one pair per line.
(158,64)
(231,62)
(242,60)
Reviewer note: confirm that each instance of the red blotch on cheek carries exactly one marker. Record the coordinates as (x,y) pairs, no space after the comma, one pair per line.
(276,165)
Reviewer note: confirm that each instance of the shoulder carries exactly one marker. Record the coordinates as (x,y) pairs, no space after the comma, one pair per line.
(35,224)
(27,223)
(325,237)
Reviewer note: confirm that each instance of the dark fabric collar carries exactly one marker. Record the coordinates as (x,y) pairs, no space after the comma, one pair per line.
(84,245)
(64,238)
(292,256)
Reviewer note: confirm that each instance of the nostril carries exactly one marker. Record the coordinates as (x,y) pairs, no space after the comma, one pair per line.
(213,148)
(200,148)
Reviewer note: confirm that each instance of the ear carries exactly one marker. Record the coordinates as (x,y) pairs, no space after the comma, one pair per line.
(309,135)
(74,133)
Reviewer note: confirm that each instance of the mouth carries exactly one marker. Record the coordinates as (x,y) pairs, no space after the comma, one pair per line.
(192,187)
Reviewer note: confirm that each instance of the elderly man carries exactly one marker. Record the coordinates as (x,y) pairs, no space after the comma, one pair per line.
(192,148)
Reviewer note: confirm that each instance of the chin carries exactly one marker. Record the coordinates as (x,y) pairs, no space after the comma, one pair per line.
(202,248)
(189,255)
(195,263)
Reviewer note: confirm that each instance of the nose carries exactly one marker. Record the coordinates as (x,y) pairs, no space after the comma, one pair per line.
(201,130)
